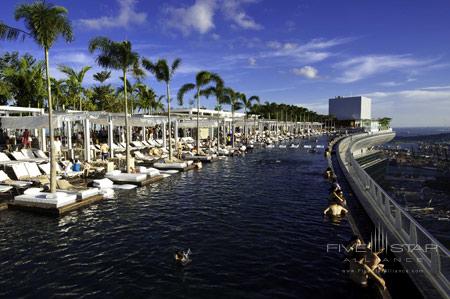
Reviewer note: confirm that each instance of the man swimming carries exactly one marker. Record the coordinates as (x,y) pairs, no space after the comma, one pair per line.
(335,210)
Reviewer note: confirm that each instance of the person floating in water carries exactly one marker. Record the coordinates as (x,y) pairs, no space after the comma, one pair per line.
(182,257)
(335,210)
(328,173)
(338,197)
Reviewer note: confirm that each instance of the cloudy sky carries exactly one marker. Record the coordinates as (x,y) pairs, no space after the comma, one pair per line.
(293,51)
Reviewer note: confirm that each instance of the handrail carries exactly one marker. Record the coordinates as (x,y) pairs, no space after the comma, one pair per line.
(395,218)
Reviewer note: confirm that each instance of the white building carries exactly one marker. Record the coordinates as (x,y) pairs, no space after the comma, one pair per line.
(350,108)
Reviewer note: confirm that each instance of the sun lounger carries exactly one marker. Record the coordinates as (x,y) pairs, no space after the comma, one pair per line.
(6,180)
(117,148)
(40,154)
(5,188)
(138,145)
(5,160)
(103,183)
(81,192)
(19,156)
(141,156)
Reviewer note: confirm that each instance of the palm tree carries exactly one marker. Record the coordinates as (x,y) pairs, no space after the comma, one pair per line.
(202,79)
(46,22)
(232,98)
(74,81)
(220,99)
(58,90)
(103,95)
(163,72)
(102,76)
(11,33)
(118,56)
(247,104)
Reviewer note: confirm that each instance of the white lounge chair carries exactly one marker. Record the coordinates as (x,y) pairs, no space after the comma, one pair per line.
(6,180)
(141,156)
(19,156)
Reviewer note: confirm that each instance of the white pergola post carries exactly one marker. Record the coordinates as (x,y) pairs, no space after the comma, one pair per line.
(110,136)
(164,134)
(144,137)
(176,133)
(69,139)
(43,140)
(87,140)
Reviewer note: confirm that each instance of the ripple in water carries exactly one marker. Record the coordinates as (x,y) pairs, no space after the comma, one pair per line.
(254,225)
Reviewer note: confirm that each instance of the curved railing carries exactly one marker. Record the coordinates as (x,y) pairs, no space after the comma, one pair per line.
(431,257)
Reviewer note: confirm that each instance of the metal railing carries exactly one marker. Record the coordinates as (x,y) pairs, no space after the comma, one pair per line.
(431,257)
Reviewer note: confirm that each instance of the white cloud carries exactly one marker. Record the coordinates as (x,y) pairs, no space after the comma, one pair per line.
(78,58)
(427,106)
(127,16)
(313,51)
(198,17)
(252,61)
(232,10)
(361,67)
(306,71)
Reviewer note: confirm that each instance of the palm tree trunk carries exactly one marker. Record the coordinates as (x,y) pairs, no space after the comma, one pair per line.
(232,126)
(218,130)
(127,132)
(169,123)
(50,127)
(198,123)
(245,125)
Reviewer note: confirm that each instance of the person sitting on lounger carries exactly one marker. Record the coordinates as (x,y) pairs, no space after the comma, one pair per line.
(335,210)
(86,169)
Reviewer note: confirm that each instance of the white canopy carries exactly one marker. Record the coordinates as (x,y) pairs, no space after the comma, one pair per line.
(28,122)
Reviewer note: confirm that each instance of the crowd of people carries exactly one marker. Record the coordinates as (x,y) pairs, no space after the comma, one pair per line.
(364,262)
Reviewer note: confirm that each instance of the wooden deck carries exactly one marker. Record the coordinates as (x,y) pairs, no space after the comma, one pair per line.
(46,210)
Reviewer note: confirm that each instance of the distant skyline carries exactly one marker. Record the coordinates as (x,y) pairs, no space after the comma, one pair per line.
(296,52)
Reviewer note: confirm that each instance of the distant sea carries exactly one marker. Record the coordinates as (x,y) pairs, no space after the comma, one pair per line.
(420,131)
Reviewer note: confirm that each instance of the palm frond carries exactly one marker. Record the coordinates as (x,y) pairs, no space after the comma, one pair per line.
(183,90)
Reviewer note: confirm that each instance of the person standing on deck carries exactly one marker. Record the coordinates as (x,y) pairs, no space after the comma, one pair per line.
(26,138)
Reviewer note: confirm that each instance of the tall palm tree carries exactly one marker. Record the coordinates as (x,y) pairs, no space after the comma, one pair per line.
(164,73)
(74,81)
(118,56)
(247,104)
(232,98)
(202,79)
(103,94)
(46,22)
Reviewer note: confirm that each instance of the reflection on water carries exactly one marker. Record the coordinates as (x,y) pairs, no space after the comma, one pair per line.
(255,226)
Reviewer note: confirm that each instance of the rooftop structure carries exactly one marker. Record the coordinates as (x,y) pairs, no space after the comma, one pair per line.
(350,108)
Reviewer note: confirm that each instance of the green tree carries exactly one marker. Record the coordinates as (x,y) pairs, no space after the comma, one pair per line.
(232,98)
(247,104)
(74,82)
(164,73)
(25,82)
(202,80)
(117,56)
(103,94)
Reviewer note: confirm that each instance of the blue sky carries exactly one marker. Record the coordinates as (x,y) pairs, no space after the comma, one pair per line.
(292,51)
